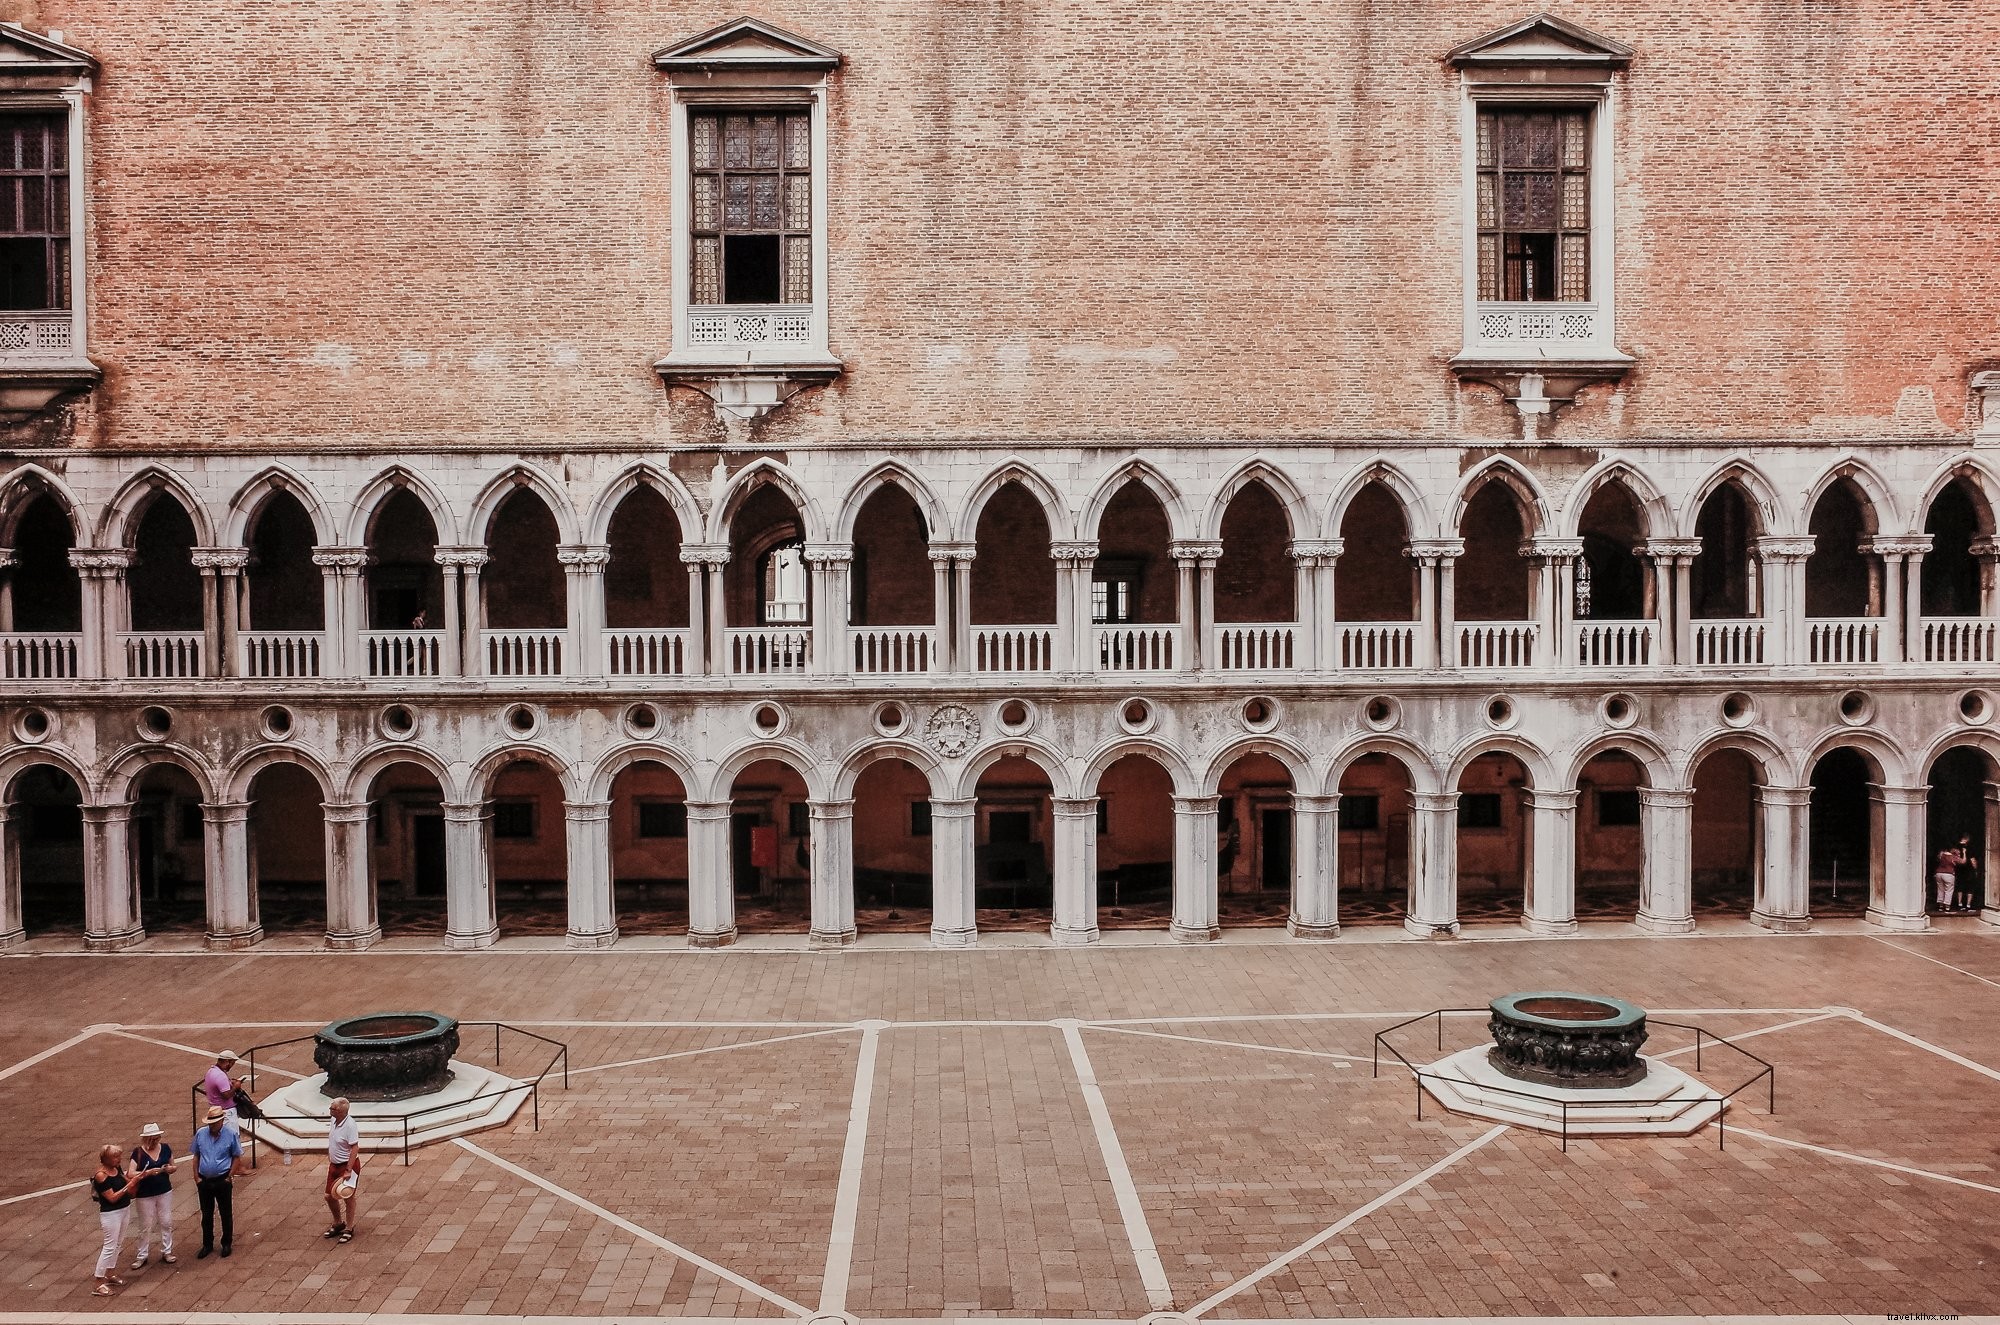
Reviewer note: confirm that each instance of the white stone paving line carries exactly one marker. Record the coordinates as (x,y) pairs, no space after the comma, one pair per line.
(1935,961)
(1762,1030)
(847,1195)
(191,1049)
(46,1191)
(1869,1160)
(1152,1274)
(1344,1060)
(54,1049)
(643,1234)
(1907,1038)
(1332,1231)
(708,1049)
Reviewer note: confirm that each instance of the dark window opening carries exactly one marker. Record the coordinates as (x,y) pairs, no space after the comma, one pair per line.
(1617,809)
(1360,814)
(751,207)
(920,818)
(1103,816)
(663,819)
(514,819)
(1479,809)
(798,822)
(34,211)
(1534,205)
(750,267)
(1114,593)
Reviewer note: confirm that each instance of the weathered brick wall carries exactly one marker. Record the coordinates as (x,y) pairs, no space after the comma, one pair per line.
(395,225)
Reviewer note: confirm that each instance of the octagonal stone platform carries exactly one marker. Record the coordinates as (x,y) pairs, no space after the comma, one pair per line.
(298,1118)
(1665,1102)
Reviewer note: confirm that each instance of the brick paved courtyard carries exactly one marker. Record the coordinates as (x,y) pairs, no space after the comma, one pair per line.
(1043,1133)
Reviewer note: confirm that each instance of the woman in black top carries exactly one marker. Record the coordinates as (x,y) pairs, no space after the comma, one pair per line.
(153,1162)
(114,1186)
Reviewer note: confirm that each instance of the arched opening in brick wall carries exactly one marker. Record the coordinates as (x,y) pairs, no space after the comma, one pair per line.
(42,593)
(284,587)
(164,585)
(1135,845)
(1724,863)
(891,583)
(1611,581)
(767,581)
(770,849)
(287,851)
(892,848)
(1134,579)
(406,850)
(649,850)
(1610,837)
(1013,585)
(1255,580)
(1493,840)
(529,850)
(1955,578)
(523,583)
(645,584)
(405,583)
(1374,580)
(1843,579)
(1493,581)
(1723,580)
(1013,847)
(1254,842)
(1959,815)
(1846,828)
(169,851)
(45,838)
(1374,840)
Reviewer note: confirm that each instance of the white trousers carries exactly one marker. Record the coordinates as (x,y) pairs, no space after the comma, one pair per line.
(156,1213)
(113,1224)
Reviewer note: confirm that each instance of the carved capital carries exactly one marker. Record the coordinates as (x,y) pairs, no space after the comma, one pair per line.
(1794,548)
(1985,547)
(7,558)
(1986,395)
(828,554)
(219,558)
(465,558)
(340,558)
(1434,550)
(1667,549)
(1324,549)
(949,552)
(1194,551)
(1073,551)
(1553,549)
(591,557)
(705,554)
(1897,545)
(100,560)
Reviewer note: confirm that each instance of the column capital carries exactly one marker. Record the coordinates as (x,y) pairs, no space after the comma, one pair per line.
(1672,798)
(947,552)
(1897,545)
(705,554)
(1317,549)
(463,556)
(709,810)
(827,554)
(7,558)
(1315,804)
(225,812)
(1187,551)
(107,813)
(334,557)
(958,809)
(1074,550)
(1795,547)
(346,812)
(1888,795)
(1433,550)
(589,558)
(467,812)
(1794,797)
(1981,547)
(219,558)
(830,810)
(1198,805)
(1552,549)
(1434,802)
(1671,549)
(586,811)
(1074,807)
(100,560)
(1560,802)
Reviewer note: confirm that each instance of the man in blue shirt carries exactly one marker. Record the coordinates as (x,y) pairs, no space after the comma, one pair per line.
(216,1152)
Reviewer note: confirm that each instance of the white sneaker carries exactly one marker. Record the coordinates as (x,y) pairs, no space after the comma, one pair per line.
(139,1264)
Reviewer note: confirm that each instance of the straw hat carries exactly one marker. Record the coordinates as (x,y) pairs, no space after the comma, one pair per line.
(149,1131)
(226,1056)
(214,1116)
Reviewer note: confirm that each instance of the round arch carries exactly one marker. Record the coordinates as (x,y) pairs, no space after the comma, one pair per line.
(1062,785)
(1417,514)
(722,780)
(1654,508)
(504,485)
(1534,760)
(1418,765)
(374,760)
(1298,764)
(1032,482)
(604,773)
(241,774)
(19,761)
(1760,495)
(1769,758)
(890,474)
(399,478)
(645,474)
(249,501)
(1957,738)
(119,523)
(131,763)
(21,488)
(1878,502)
(753,477)
(1135,471)
(1891,765)
(1280,485)
(1499,469)
(856,761)
(479,780)
(1168,758)
(1641,747)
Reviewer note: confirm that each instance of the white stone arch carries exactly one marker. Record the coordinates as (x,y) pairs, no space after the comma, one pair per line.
(748,480)
(1956,738)
(1878,502)
(521,474)
(721,784)
(1418,518)
(19,490)
(479,780)
(644,474)
(1054,510)
(1062,786)
(1978,476)
(849,768)
(131,763)
(1298,764)
(237,780)
(1760,494)
(1533,759)
(399,478)
(120,522)
(1278,483)
(1417,762)
(1160,752)
(604,773)
(1773,765)
(249,501)
(1135,471)
(1641,747)
(17,762)
(1891,763)
(1499,469)
(372,762)
(1654,508)
(893,474)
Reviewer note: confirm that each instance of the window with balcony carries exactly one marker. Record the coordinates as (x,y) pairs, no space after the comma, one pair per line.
(1534,205)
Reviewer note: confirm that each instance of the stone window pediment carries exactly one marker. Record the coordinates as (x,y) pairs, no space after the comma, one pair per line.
(743,45)
(1541,39)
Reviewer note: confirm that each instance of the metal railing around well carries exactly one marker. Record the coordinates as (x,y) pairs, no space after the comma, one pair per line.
(1702,1038)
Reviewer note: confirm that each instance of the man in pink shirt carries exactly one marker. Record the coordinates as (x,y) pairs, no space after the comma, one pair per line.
(219,1090)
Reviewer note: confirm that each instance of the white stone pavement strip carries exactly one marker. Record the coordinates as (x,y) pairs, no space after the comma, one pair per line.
(1869,1160)
(1335,1230)
(191,1049)
(708,1049)
(1152,1274)
(1344,1060)
(847,1195)
(644,1234)
(1974,975)
(46,1191)
(1745,1035)
(1908,1038)
(54,1049)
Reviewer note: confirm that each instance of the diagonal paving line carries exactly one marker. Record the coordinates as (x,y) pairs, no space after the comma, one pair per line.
(1762,1030)
(54,1049)
(1908,1038)
(1345,1059)
(708,1049)
(46,1191)
(204,1053)
(1152,1274)
(847,1195)
(1327,1234)
(1869,1160)
(643,1234)
(1935,961)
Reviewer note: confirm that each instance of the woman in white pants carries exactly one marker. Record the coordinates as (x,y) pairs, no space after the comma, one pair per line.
(112,1185)
(153,1165)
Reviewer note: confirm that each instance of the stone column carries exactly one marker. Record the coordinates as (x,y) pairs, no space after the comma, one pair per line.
(1315,867)
(221,574)
(468,873)
(1666,883)
(1551,901)
(105,609)
(230,875)
(1989,910)
(110,884)
(583,569)
(943,657)
(1987,550)
(1784,609)
(593,906)
(1555,561)
(12,928)
(1196,889)
(462,613)
(831,565)
(1897,867)
(832,862)
(1673,612)
(1317,561)
(1075,870)
(1902,593)
(1784,900)
(711,882)
(705,562)
(7,565)
(1433,909)
(954,917)
(1076,643)
(1197,603)
(1437,632)
(351,922)
(346,609)
(962,658)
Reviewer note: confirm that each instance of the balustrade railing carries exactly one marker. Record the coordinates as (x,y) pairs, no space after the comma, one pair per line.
(1374,646)
(280,654)
(647,652)
(39,657)
(1013,648)
(1136,648)
(893,649)
(1733,643)
(1507,644)
(1615,643)
(1960,639)
(523,652)
(1270,646)
(162,655)
(769,650)
(395,653)
(1844,639)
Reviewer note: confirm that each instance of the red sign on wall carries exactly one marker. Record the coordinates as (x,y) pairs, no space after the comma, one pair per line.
(764,846)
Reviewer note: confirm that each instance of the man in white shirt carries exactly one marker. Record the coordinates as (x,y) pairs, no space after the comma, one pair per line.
(343,1172)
